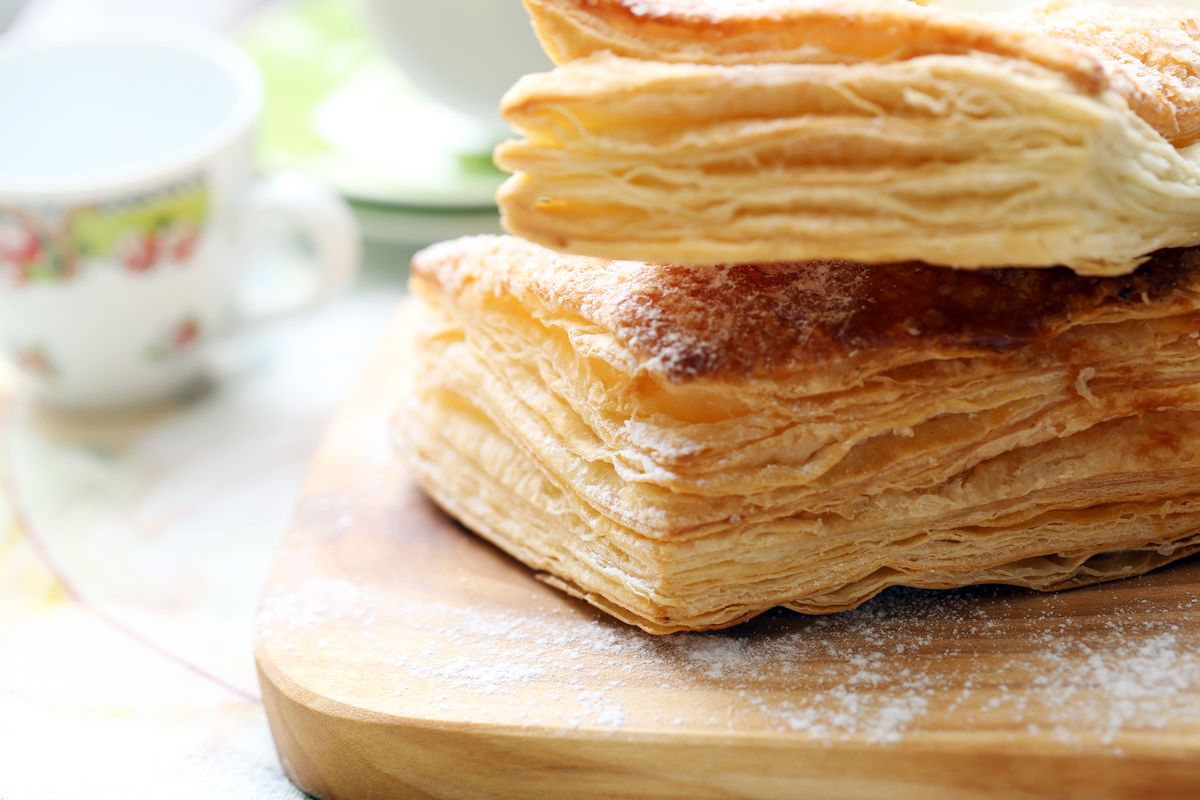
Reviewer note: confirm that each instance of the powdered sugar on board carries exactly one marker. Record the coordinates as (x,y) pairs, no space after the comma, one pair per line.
(907,664)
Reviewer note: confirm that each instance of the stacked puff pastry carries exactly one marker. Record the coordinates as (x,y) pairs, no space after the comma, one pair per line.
(713,131)
(688,446)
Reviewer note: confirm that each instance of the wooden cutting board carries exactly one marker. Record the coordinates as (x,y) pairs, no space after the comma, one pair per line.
(402,657)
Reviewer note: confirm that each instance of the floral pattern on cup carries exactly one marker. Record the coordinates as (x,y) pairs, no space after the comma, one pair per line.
(180,339)
(170,243)
(35,360)
(139,235)
(28,252)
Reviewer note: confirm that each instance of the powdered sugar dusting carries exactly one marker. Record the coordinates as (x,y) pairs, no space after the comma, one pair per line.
(689,323)
(906,664)
(698,321)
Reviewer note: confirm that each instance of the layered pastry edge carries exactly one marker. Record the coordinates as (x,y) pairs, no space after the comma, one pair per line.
(877,132)
(519,357)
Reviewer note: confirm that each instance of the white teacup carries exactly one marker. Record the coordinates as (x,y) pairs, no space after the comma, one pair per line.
(464,53)
(128,210)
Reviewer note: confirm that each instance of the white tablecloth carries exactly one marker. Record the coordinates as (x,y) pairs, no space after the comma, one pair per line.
(132,554)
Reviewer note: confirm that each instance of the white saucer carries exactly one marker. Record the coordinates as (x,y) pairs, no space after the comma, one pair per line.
(339,110)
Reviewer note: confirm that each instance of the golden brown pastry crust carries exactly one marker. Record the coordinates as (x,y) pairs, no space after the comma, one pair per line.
(689,323)
(620,428)
(876,132)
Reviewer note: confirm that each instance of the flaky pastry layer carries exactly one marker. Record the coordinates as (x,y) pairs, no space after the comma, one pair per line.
(706,133)
(688,447)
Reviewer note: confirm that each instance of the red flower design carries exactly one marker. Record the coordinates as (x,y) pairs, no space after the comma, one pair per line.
(183,242)
(140,252)
(186,334)
(34,361)
(20,246)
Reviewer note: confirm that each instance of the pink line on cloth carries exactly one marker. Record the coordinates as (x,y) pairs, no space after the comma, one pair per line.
(25,525)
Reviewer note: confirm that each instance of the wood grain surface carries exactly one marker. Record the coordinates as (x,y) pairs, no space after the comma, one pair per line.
(400,656)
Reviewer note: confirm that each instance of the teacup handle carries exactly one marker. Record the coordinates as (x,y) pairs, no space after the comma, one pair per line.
(299,203)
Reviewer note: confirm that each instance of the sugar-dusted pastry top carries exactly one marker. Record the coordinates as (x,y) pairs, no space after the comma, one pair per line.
(706,322)
(1149,56)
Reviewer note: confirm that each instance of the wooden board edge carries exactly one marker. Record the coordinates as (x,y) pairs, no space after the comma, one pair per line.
(334,752)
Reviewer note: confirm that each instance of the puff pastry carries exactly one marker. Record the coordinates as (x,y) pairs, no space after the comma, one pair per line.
(686,447)
(708,132)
